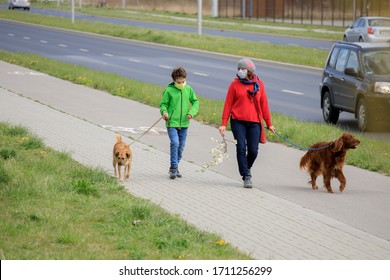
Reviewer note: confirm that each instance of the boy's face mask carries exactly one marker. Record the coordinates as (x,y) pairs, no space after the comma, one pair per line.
(180,85)
(242,73)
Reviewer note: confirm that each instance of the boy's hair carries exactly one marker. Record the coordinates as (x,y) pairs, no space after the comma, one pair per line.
(178,72)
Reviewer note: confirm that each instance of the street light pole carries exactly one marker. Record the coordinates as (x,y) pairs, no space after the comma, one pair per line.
(199,17)
(72,8)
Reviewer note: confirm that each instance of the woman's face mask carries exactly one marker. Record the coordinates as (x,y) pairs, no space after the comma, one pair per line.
(180,84)
(242,73)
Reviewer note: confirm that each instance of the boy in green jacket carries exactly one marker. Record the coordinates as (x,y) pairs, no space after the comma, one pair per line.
(178,106)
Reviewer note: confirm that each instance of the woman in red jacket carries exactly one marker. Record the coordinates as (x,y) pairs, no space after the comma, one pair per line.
(246,105)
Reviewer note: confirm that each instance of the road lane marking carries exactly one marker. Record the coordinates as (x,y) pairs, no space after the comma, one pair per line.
(165,66)
(27,38)
(11,34)
(62,45)
(134,60)
(201,74)
(293,92)
(83,50)
(43,41)
(107,54)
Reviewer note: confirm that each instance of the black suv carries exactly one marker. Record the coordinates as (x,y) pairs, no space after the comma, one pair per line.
(356,79)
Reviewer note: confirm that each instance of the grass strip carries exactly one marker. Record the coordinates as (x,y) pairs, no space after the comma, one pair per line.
(51,207)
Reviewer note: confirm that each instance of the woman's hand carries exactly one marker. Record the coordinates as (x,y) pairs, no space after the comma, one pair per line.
(165,116)
(222,130)
(272,128)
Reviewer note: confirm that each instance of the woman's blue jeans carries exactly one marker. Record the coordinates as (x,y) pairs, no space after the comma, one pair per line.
(247,135)
(178,139)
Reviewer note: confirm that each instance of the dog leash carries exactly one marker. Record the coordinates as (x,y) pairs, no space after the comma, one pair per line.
(300,147)
(153,125)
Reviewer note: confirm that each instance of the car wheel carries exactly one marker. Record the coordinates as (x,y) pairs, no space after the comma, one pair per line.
(362,115)
(345,39)
(329,113)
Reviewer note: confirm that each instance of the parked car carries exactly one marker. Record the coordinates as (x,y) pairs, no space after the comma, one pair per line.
(356,79)
(19,4)
(369,29)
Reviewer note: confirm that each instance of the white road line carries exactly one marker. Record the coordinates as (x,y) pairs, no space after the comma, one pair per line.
(293,92)
(27,38)
(201,74)
(107,54)
(165,66)
(43,41)
(62,45)
(83,50)
(134,60)
(11,34)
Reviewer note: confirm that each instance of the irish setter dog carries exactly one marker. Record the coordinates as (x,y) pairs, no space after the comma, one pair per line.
(328,162)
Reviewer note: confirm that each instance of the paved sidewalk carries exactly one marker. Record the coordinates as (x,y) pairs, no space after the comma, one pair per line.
(257,222)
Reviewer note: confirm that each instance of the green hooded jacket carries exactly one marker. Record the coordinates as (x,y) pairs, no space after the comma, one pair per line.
(178,104)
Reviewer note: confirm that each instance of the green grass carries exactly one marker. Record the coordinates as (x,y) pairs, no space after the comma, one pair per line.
(220,23)
(51,207)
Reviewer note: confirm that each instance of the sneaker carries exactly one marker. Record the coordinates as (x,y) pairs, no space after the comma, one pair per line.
(172,173)
(248,182)
(178,175)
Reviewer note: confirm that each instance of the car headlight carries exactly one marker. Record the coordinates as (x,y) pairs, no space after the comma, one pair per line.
(382,87)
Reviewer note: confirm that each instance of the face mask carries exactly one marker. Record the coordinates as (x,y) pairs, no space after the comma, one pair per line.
(180,86)
(242,73)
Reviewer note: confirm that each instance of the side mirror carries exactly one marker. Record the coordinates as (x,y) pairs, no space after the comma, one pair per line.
(350,72)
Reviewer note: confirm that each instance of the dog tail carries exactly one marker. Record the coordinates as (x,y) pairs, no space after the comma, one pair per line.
(118,138)
(305,161)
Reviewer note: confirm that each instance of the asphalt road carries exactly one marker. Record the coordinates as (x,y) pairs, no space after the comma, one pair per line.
(291,90)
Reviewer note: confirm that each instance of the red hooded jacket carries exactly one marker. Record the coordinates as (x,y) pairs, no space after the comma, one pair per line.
(241,106)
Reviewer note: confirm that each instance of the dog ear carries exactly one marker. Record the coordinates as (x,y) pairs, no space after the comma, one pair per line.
(128,155)
(337,145)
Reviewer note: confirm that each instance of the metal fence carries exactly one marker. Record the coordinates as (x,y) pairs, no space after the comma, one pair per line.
(323,12)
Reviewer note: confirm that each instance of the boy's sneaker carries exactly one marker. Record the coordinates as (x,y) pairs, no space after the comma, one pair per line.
(178,175)
(172,173)
(248,182)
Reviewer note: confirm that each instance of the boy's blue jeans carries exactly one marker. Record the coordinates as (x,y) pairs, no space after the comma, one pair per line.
(178,139)
(247,135)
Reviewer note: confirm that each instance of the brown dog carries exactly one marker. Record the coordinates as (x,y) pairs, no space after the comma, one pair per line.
(329,162)
(122,156)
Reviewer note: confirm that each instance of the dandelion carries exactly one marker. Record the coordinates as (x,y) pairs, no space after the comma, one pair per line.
(221,242)
(23,139)
(220,152)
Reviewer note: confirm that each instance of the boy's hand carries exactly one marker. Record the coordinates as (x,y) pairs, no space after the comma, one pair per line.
(189,116)
(165,116)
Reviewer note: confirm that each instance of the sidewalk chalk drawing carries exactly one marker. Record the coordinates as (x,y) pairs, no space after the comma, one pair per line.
(138,130)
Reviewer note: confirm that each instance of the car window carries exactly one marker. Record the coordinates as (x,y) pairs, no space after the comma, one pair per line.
(340,64)
(361,23)
(354,25)
(353,61)
(377,62)
(379,22)
(333,57)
